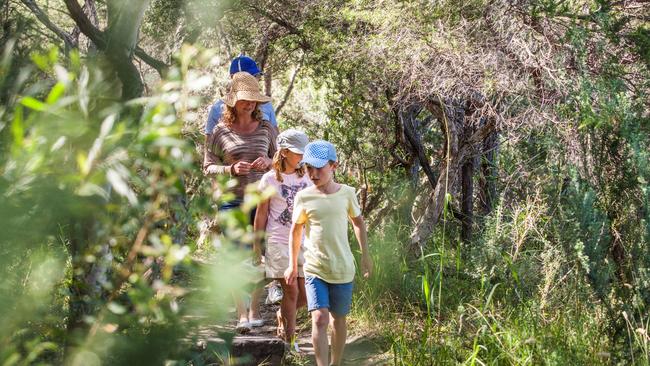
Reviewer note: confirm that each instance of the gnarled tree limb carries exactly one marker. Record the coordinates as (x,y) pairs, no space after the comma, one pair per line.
(449,117)
(292,29)
(97,36)
(407,118)
(85,25)
(43,18)
(90,11)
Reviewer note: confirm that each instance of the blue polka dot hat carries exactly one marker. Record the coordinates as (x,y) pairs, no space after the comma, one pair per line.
(318,153)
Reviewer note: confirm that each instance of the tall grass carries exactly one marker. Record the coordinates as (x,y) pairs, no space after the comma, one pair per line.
(514,300)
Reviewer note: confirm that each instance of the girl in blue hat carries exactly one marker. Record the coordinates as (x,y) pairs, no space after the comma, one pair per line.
(323,211)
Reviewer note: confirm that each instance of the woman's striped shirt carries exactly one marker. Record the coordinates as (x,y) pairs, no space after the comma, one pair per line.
(226,147)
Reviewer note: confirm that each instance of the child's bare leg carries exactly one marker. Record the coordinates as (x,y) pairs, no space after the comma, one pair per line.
(288,308)
(242,310)
(243,326)
(255,303)
(339,335)
(302,295)
(319,323)
(281,324)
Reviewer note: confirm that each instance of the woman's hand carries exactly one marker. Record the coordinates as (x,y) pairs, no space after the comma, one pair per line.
(262,163)
(241,168)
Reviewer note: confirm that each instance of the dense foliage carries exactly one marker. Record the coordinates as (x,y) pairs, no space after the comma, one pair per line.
(501,150)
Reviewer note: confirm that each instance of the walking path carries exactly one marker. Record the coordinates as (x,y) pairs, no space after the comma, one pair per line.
(262,347)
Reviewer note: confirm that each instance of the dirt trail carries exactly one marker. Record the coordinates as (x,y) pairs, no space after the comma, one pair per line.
(261,346)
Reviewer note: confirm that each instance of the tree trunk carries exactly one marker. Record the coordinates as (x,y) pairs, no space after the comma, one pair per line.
(450,117)
(410,129)
(487,182)
(124,21)
(459,145)
(80,233)
(262,51)
(268,80)
(467,200)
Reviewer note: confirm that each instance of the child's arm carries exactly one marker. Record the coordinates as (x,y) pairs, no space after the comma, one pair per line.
(294,245)
(259,227)
(360,232)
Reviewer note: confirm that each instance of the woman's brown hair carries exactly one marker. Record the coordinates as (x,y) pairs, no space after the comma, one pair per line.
(229,115)
(279,165)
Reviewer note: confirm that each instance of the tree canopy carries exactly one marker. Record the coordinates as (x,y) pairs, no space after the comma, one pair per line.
(500,150)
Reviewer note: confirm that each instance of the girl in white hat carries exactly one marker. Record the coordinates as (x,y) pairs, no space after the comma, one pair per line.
(274,219)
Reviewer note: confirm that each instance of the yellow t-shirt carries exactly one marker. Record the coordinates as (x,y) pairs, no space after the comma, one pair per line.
(327,250)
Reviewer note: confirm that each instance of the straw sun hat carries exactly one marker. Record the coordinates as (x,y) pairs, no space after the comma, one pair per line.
(244,87)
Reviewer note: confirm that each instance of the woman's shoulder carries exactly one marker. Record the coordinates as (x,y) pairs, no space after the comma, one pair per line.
(221,128)
(268,128)
(264,123)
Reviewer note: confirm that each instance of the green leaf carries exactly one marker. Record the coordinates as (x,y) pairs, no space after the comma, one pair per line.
(90,189)
(83,91)
(11,360)
(57,90)
(17,129)
(81,163)
(33,103)
(39,349)
(489,298)
(427,292)
(116,308)
(121,186)
(41,61)
(53,55)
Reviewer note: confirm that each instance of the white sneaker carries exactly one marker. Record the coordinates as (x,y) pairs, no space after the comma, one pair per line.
(243,327)
(256,322)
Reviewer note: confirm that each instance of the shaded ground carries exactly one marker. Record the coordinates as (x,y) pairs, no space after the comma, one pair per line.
(262,347)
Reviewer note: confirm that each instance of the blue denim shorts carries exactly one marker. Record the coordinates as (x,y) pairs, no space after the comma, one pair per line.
(337,297)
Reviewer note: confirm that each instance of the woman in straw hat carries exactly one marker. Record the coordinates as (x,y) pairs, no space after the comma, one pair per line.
(242,146)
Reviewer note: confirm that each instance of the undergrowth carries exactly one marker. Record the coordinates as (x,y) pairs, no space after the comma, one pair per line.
(510,297)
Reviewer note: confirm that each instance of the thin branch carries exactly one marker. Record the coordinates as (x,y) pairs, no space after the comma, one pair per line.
(411,135)
(288,26)
(158,65)
(287,94)
(284,24)
(40,14)
(481,134)
(85,25)
(91,11)
(224,38)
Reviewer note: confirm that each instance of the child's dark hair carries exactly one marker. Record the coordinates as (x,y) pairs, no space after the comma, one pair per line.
(279,165)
